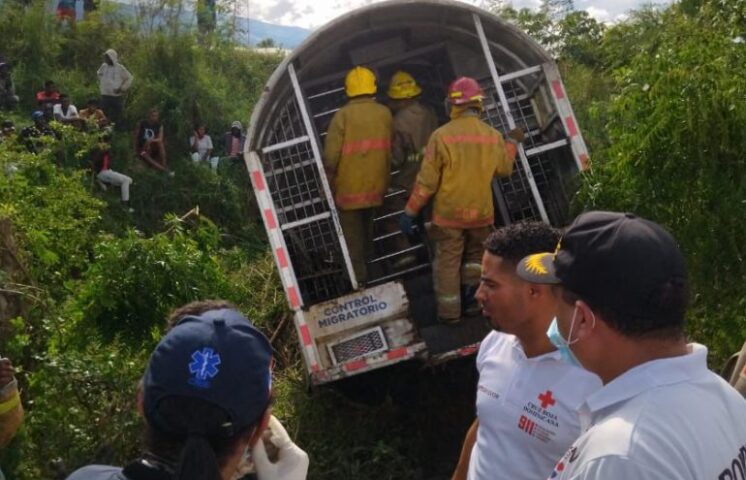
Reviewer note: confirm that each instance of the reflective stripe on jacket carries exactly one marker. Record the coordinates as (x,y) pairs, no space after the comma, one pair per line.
(357,154)
(11,413)
(460,161)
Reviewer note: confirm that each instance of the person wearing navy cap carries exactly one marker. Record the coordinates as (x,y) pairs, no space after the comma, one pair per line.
(623,294)
(206,397)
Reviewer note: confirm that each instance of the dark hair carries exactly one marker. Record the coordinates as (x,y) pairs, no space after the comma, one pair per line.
(197,308)
(64,95)
(200,454)
(92,101)
(520,239)
(666,311)
(48,83)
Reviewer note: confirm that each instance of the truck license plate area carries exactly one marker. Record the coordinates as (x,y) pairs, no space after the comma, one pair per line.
(361,344)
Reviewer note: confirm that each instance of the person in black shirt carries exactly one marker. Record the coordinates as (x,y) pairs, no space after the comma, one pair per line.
(33,134)
(149,144)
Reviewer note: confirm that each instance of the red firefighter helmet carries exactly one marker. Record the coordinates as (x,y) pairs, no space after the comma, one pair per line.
(465,90)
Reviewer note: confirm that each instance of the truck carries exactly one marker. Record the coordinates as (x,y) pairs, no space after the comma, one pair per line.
(345,329)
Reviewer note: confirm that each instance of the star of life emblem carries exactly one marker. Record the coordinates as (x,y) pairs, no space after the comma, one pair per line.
(203,367)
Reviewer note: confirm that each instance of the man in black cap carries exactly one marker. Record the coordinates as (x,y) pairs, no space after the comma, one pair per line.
(623,289)
(206,397)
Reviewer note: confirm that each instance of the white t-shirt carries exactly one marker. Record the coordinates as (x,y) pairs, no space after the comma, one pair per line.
(527,410)
(71,112)
(665,419)
(203,145)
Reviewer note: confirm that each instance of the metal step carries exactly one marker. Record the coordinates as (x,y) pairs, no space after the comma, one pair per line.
(396,254)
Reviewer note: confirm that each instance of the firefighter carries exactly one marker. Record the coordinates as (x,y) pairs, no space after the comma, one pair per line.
(460,161)
(357,160)
(414,122)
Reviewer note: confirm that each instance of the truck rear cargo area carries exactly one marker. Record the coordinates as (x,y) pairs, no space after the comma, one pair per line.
(435,45)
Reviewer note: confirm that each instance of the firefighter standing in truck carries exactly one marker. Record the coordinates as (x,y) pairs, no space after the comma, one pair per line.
(357,160)
(414,122)
(460,161)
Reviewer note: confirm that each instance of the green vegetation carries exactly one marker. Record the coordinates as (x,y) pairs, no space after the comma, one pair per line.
(87,286)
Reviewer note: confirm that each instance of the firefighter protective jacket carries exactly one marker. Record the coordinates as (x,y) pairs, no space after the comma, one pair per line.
(413,125)
(357,154)
(460,161)
(11,412)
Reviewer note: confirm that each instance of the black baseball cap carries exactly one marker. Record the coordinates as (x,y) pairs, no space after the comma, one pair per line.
(218,357)
(610,259)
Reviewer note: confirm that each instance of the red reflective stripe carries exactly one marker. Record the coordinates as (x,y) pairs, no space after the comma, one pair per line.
(366,145)
(270,219)
(282,258)
(572,130)
(258,180)
(294,299)
(397,353)
(452,223)
(418,199)
(511,150)
(355,198)
(305,335)
(468,350)
(476,139)
(355,365)
(584,161)
(559,92)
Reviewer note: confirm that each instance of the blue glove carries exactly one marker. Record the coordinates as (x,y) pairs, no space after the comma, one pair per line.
(406,225)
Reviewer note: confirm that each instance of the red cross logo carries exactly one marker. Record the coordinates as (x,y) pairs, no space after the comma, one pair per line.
(546,399)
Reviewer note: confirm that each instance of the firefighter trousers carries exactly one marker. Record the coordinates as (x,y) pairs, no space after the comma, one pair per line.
(458,261)
(357,226)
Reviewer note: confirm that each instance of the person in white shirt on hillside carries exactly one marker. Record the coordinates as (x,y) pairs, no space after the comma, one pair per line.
(201,145)
(113,81)
(65,112)
(623,289)
(527,396)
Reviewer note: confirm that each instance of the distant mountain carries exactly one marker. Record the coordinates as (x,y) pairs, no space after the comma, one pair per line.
(249,31)
(286,37)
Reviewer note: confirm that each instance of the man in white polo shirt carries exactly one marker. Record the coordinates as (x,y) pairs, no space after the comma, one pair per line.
(661,413)
(526,397)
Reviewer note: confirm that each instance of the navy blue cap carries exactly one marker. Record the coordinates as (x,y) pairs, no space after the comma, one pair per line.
(611,259)
(37,115)
(218,357)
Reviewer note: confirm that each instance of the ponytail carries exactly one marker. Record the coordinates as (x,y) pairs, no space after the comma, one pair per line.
(197,460)
(199,454)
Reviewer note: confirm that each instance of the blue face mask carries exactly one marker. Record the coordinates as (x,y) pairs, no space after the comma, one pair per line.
(563,345)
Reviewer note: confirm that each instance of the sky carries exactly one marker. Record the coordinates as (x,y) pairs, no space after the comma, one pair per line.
(314,13)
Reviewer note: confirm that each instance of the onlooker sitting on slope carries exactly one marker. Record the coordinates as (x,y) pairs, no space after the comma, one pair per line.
(94,115)
(234,141)
(7,131)
(149,143)
(201,146)
(206,399)
(65,112)
(113,81)
(48,95)
(35,132)
(8,97)
(101,163)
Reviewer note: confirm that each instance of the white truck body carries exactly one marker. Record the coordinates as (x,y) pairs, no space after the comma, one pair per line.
(344,330)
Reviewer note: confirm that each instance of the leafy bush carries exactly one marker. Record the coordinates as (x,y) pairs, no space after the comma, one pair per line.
(676,156)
